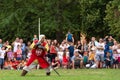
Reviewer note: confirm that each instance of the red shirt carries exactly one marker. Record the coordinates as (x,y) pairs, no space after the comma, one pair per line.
(65,59)
(53,49)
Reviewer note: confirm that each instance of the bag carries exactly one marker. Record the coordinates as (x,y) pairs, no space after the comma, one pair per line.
(69,37)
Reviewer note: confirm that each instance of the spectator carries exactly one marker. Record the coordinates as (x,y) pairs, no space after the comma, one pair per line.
(100,53)
(35,38)
(56,63)
(115,59)
(1,43)
(69,37)
(60,55)
(71,51)
(23,48)
(85,58)
(2,56)
(8,64)
(110,41)
(21,65)
(53,51)
(77,60)
(65,60)
(19,53)
(9,54)
(15,44)
(108,60)
(92,42)
(91,57)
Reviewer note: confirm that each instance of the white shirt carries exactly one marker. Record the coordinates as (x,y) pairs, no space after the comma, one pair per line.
(2,54)
(60,55)
(100,51)
(15,46)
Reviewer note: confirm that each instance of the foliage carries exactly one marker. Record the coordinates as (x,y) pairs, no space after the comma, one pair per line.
(19,18)
(113,18)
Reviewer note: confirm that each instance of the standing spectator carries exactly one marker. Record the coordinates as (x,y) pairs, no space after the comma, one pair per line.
(110,41)
(60,55)
(23,47)
(71,51)
(7,45)
(92,42)
(84,47)
(79,45)
(35,37)
(9,54)
(62,46)
(15,44)
(1,43)
(19,53)
(100,53)
(2,56)
(118,50)
(115,59)
(28,47)
(108,60)
(53,51)
(69,37)
(115,46)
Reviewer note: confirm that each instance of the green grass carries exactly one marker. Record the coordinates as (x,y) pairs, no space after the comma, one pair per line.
(78,74)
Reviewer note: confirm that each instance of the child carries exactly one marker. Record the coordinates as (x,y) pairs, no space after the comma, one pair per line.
(85,58)
(15,64)
(65,60)
(115,59)
(10,54)
(108,60)
(8,64)
(21,65)
(56,63)
(19,53)
(91,58)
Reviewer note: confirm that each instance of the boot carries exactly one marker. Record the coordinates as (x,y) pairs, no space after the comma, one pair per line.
(24,73)
(48,73)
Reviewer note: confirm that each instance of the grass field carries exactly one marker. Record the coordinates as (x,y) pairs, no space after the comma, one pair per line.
(78,74)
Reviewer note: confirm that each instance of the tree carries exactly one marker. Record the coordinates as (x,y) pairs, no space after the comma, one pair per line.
(113,18)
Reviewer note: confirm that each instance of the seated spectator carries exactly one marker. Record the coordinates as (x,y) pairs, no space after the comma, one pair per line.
(77,60)
(21,65)
(91,59)
(85,58)
(15,64)
(56,63)
(8,64)
(65,60)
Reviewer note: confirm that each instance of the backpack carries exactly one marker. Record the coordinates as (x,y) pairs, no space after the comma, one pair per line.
(69,37)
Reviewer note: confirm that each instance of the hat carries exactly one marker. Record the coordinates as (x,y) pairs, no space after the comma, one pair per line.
(76,50)
(41,36)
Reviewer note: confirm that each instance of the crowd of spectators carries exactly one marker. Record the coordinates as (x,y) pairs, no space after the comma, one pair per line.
(104,53)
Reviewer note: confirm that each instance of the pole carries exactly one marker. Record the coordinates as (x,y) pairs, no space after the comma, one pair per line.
(39,28)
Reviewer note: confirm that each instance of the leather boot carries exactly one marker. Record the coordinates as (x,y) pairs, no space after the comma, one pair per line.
(24,73)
